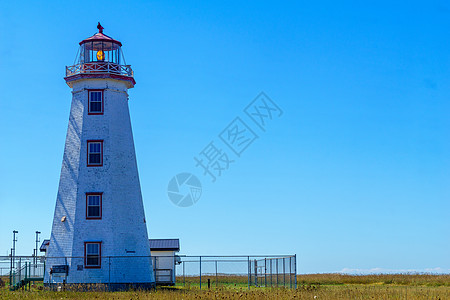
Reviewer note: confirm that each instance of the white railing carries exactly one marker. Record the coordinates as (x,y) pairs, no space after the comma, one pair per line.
(99,67)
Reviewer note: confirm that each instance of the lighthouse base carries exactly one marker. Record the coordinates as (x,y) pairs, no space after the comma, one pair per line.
(100,287)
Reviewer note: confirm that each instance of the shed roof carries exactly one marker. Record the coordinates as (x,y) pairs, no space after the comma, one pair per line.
(164,244)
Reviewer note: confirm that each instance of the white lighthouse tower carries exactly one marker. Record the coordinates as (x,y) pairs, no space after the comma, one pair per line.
(99,232)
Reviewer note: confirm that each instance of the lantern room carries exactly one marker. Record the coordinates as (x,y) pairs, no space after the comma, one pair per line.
(100,56)
(100,48)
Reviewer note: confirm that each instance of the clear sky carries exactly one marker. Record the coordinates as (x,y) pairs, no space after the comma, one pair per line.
(354,176)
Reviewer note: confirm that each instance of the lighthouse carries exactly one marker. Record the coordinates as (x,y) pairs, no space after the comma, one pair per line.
(99,232)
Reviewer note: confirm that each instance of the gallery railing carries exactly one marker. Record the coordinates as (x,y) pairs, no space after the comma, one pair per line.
(98,68)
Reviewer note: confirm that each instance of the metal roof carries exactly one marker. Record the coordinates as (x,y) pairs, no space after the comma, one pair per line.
(100,37)
(164,244)
(44,245)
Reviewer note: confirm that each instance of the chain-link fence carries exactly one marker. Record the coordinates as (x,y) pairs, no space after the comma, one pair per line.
(22,270)
(118,272)
(5,265)
(237,271)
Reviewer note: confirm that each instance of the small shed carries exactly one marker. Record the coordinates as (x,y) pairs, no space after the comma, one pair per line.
(164,258)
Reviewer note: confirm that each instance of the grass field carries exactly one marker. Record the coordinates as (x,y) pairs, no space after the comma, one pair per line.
(312,286)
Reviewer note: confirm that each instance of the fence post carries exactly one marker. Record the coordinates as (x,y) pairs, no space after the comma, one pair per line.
(290,272)
(248,271)
(276,265)
(184,275)
(29,274)
(265,272)
(271,276)
(284,272)
(256,273)
(26,271)
(216,272)
(20,269)
(200,272)
(295,269)
(10,270)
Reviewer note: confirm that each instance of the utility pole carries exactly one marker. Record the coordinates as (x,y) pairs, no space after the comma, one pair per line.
(36,250)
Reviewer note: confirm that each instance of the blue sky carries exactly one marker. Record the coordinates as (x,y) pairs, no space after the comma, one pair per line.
(354,176)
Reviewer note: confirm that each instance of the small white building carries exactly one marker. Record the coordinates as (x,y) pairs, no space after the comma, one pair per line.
(164,259)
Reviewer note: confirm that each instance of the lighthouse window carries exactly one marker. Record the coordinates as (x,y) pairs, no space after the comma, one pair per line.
(92,254)
(95,153)
(93,206)
(95,102)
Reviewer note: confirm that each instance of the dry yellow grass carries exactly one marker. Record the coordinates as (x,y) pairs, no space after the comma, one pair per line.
(335,292)
(397,279)
(312,286)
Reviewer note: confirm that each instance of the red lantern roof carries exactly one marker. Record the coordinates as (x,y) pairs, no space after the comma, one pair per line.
(100,37)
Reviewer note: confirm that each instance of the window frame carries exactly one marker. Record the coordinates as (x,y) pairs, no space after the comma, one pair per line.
(86,266)
(101,153)
(100,206)
(102,103)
